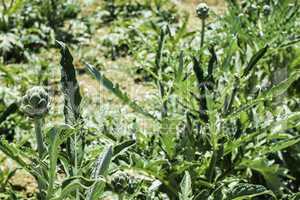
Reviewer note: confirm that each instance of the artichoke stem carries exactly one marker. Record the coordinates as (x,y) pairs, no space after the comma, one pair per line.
(202,32)
(41,149)
(121,196)
(39,136)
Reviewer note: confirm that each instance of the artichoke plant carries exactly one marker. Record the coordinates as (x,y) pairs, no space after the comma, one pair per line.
(202,11)
(36,104)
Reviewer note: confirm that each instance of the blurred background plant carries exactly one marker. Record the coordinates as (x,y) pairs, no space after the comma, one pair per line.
(28,25)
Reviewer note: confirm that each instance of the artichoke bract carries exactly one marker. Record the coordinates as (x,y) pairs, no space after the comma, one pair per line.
(36,102)
(202,10)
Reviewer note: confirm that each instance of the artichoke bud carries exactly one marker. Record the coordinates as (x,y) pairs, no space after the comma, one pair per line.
(119,182)
(202,11)
(35,103)
(266,10)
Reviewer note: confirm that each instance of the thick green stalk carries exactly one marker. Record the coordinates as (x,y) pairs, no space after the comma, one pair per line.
(121,196)
(41,149)
(202,32)
(39,137)
(76,164)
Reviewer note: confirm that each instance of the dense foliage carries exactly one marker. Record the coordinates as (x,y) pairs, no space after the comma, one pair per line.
(221,121)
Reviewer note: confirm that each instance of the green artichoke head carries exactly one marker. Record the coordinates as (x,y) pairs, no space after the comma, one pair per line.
(202,10)
(120,182)
(266,10)
(36,102)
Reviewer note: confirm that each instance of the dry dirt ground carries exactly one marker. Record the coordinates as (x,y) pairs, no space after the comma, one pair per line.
(23,181)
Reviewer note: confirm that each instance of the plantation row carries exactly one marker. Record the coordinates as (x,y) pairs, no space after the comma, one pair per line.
(219,118)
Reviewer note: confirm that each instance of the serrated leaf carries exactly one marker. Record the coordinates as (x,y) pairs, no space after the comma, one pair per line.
(246,191)
(115,89)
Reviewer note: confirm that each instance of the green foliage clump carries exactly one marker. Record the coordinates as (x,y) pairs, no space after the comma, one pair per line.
(28,25)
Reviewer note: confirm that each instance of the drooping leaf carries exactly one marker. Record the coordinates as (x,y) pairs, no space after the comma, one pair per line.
(253,61)
(115,89)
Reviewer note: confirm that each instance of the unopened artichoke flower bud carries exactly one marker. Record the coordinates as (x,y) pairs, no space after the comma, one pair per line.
(266,10)
(35,103)
(202,11)
(120,182)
